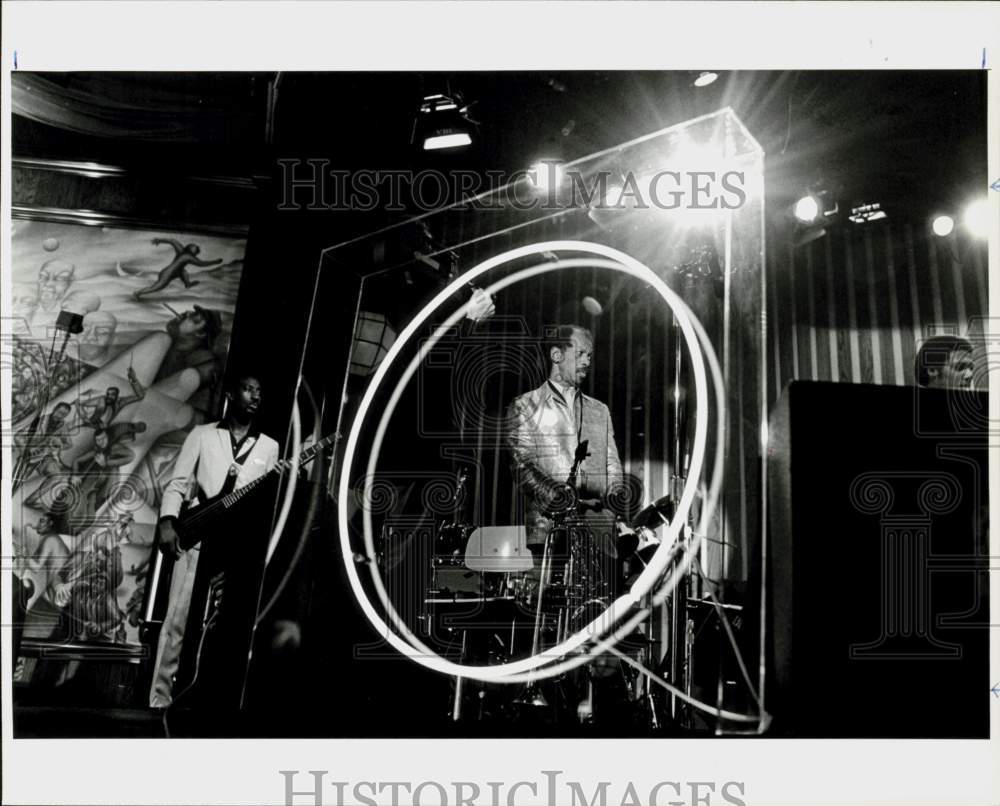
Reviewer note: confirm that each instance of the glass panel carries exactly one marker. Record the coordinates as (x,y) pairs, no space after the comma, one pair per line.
(687,202)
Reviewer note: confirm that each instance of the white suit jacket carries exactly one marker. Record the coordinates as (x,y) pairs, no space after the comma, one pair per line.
(206,456)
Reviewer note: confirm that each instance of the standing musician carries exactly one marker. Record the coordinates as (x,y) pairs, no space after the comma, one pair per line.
(545,428)
(215,459)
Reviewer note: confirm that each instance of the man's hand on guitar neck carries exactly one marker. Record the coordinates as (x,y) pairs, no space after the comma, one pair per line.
(169,539)
(284,465)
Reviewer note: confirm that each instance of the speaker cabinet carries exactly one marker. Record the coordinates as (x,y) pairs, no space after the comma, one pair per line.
(877,568)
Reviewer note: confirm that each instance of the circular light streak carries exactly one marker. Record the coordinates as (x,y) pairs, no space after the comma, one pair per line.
(415,650)
(615,611)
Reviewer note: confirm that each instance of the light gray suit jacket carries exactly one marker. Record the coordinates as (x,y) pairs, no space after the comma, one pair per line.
(542,434)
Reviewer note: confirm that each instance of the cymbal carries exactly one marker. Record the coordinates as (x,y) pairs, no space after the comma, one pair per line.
(656,514)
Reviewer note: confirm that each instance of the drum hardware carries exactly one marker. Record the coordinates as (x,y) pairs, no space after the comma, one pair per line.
(456,710)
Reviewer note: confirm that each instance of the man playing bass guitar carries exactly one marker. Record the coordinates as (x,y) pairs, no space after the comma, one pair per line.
(216,459)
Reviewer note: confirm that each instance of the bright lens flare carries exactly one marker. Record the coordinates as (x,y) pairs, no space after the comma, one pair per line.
(977,218)
(545,175)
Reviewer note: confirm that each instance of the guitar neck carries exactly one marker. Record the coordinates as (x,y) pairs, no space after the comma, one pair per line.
(305,457)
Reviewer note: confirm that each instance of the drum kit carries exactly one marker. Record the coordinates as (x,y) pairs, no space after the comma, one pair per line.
(500,599)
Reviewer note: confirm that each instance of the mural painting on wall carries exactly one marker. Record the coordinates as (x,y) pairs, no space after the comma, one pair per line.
(96,428)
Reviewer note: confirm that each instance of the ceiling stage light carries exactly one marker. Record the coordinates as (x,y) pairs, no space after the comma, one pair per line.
(442,123)
(863,213)
(705,78)
(435,142)
(807,209)
(943,225)
(977,218)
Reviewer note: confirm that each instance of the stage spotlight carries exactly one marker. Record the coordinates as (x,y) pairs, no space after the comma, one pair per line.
(442,123)
(705,78)
(977,218)
(546,175)
(943,225)
(807,209)
(447,140)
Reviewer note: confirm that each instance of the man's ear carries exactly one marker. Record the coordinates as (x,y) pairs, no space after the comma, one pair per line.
(932,373)
(556,355)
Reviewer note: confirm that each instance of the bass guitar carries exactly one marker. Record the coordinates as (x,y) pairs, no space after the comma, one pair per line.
(197,521)
(193,524)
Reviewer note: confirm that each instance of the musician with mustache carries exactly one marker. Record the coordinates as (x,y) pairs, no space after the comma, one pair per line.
(216,458)
(545,428)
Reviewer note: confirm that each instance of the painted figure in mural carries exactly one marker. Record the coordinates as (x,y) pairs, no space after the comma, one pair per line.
(98,412)
(24,303)
(194,333)
(54,279)
(94,475)
(39,572)
(47,443)
(90,580)
(125,432)
(56,493)
(98,333)
(81,302)
(34,377)
(945,362)
(184,256)
(27,379)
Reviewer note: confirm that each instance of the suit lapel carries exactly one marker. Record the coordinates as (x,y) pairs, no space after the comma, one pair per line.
(225,445)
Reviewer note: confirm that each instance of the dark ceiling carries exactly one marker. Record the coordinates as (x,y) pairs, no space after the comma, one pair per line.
(915,139)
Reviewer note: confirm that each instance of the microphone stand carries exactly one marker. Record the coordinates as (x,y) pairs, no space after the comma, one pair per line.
(532,695)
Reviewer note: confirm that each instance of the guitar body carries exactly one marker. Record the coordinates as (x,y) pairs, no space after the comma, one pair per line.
(200,519)
(194,521)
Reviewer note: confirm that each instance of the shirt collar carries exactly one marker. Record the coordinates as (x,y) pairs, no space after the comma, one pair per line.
(224,425)
(565,392)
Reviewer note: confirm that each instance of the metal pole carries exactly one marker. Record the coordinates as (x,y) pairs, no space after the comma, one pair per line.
(456,711)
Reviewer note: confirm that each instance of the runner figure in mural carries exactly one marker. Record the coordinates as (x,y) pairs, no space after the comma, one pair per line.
(184,256)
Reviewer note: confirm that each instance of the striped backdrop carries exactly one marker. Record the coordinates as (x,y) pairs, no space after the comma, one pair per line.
(854,305)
